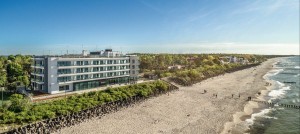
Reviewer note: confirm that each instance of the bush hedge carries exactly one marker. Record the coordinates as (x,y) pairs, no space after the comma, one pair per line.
(17,113)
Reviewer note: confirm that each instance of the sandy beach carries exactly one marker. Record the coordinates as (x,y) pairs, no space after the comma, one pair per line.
(187,110)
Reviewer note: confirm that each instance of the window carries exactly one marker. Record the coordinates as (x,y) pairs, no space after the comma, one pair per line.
(64,63)
(102,62)
(82,70)
(95,69)
(79,63)
(133,61)
(87,85)
(64,79)
(101,68)
(110,62)
(95,62)
(96,76)
(39,63)
(38,71)
(39,79)
(109,74)
(82,77)
(109,68)
(86,62)
(63,88)
(63,71)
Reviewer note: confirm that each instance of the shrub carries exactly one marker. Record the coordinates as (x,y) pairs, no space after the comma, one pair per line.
(21,111)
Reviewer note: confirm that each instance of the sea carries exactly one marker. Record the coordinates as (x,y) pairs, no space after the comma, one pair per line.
(277,119)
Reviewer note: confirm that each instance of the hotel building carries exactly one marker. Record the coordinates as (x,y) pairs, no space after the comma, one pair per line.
(57,74)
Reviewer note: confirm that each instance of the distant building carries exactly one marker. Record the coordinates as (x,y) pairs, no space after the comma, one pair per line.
(56,74)
(175,67)
(225,60)
(192,59)
(232,59)
(243,61)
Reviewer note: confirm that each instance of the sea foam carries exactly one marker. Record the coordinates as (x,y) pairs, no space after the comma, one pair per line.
(280,92)
(262,113)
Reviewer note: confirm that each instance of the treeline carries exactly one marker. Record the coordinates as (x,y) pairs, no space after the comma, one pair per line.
(20,110)
(15,71)
(195,67)
(155,62)
(192,76)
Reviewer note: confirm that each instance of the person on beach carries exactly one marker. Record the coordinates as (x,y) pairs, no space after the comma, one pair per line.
(205,91)
(231,95)
(239,96)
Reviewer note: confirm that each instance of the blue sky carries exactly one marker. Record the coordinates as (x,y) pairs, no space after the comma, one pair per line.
(155,26)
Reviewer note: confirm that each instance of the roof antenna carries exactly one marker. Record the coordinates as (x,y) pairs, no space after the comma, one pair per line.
(67,50)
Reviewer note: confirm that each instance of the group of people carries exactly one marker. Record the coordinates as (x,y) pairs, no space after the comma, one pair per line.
(232,95)
(216,95)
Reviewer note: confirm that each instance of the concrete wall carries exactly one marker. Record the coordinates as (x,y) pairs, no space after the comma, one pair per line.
(53,86)
(134,71)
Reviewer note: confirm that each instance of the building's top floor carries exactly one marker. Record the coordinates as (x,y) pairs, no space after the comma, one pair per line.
(106,54)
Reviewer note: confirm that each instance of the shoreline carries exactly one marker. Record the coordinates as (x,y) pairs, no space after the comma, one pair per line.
(188,110)
(239,125)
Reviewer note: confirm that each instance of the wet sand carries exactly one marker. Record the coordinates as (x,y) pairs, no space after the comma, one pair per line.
(187,110)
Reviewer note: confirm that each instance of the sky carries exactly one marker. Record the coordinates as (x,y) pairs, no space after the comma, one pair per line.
(149,26)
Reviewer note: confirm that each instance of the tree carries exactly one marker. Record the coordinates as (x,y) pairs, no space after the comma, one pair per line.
(217,61)
(18,103)
(14,71)
(3,78)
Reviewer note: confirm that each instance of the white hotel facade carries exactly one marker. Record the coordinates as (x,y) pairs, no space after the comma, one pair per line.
(58,74)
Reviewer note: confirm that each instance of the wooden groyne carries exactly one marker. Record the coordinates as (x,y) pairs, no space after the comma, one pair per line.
(55,124)
(277,104)
(289,82)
